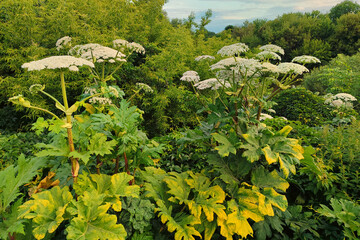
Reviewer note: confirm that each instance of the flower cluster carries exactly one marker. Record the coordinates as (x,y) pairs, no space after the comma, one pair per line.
(272,48)
(60,43)
(57,62)
(100,100)
(306,59)
(269,67)
(264,55)
(247,67)
(286,68)
(133,46)
(234,49)
(190,76)
(340,100)
(212,83)
(97,53)
(145,87)
(204,57)
(225,63)
(264,116)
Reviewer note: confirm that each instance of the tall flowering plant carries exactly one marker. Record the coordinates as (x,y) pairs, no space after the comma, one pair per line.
(251,160)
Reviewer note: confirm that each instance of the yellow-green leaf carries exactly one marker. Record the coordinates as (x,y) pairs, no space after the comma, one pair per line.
(270,156)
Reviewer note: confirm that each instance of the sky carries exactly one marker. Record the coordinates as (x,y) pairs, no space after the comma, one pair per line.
(235,12)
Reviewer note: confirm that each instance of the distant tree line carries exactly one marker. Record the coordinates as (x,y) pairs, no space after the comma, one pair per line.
(321,35)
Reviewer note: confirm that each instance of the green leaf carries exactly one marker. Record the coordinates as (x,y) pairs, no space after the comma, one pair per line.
(236,223)
(183,225)
(120,186)
(178,187)
(83,156)
(47,210)
(270,156)
(12,178)
(263,179)
(272,198)
(10,222)
(226,147)
(100,146)
(92,221)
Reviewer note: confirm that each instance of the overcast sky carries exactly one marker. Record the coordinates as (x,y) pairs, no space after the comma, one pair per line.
(235,12)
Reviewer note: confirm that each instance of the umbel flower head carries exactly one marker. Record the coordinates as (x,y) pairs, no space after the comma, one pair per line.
(57,62)
(234,49)
(136,47)
(144,87)
(190,76)
(60,43)
(286,68)
(306,59)
(268,55)
(96,52)
(272,48)
(212,83)
(204,57)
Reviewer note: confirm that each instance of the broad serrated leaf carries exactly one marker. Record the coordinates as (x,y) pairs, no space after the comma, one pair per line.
(264,179)
(14,177)
(248,204)
(100,146)
(10,222)
(83,156)
(270,156)
(225,146)
(183,225)
(272,198)
(92,221)
(178,187)
(236,223)
(47,210)
(120,186)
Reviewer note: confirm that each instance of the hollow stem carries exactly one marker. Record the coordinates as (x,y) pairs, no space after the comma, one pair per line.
(74,162)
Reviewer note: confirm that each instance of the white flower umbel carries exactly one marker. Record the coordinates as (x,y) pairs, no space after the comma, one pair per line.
(269,67)
(225,63)
(136,47)
(57,62)
(304,59)
(264,116)
(97,52)
(295,68)
(212,83)
(234,49)
(190,76)
(345,97)
(60,43)
(272,48)
(204,57)
(145,87)
(120,43)
(247,67)
(264,55)
(133,46)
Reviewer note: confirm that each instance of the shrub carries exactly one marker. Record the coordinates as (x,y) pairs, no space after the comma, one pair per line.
(304,106)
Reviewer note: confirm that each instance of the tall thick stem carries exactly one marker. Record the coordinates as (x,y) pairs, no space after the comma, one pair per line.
(74,162)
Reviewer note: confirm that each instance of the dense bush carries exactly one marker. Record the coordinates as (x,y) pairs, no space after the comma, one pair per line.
(302,105)
(341,75)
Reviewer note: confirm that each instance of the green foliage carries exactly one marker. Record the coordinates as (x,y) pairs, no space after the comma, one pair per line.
(342,8)
(89,216)
(14,177)
(304,106)
(345,213)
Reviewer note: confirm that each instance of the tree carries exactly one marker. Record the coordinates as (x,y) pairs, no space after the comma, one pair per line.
(342,8)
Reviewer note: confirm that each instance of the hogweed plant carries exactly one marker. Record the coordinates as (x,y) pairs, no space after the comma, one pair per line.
(250,160)
(59,64)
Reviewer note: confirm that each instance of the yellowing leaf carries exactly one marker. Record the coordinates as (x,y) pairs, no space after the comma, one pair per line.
(285,131)
(261,178)
(270,156)
(46,209)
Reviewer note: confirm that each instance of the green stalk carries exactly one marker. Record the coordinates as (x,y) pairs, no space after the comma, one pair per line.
(74,161)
